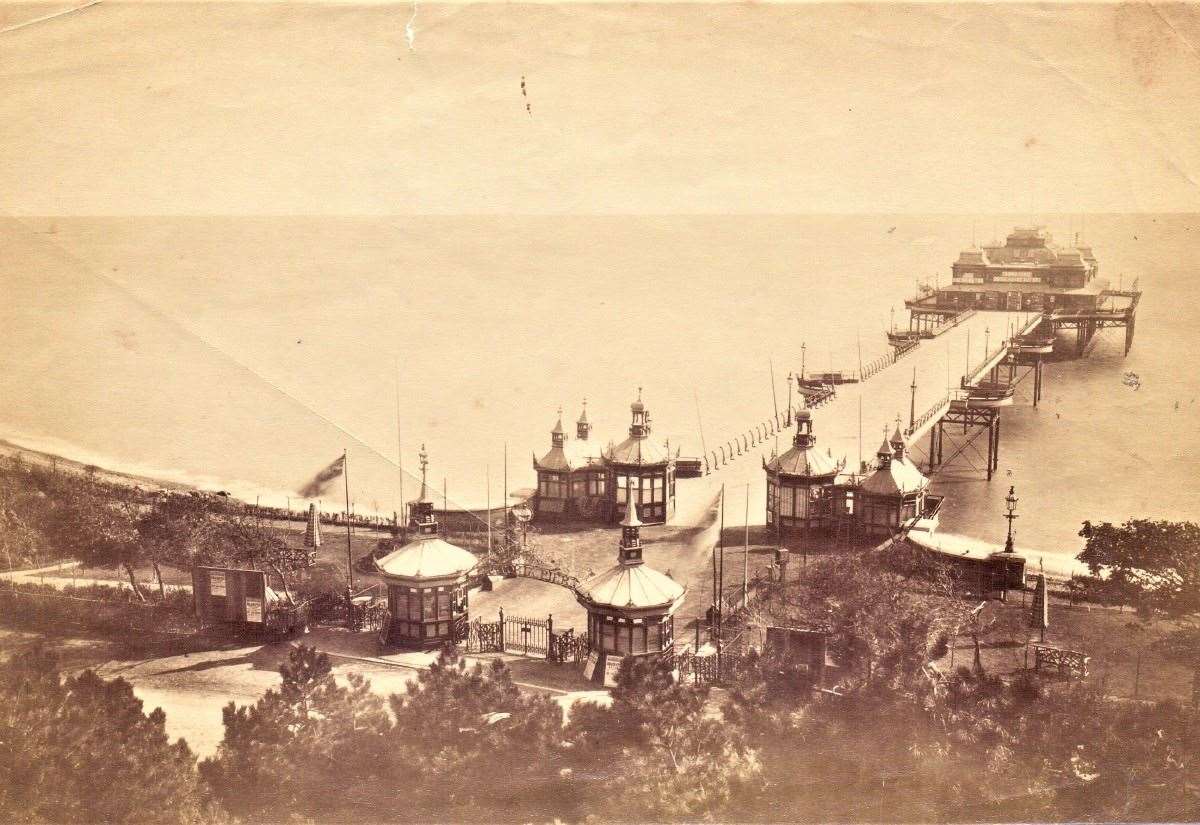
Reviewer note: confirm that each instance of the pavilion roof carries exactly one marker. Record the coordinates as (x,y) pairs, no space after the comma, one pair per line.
(803,461)
(634,450)
(636,587)
(427,557)
(897,478)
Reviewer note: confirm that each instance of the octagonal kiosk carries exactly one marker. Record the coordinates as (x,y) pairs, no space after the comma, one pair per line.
(894,494)
(630,607)
(426,583)
(640,470)
(799,482)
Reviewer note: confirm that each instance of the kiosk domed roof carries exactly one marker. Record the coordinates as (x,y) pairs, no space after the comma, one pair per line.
(635,450)
(803,461)
(632,587)
(897,477)
(427,557)
(571,456)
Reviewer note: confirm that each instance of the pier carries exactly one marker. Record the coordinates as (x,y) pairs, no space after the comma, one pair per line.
(948,396)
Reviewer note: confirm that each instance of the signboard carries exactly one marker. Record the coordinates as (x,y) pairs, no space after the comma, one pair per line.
(1015,276)
(611,665)
(254,609)
(589,669)
(216,583)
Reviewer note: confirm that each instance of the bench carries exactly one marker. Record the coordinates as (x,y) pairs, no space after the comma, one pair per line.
(1070,664)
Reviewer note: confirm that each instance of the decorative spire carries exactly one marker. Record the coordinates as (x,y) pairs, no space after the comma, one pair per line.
(804,437)
(421,519)
(885,450)
(557,436)
(640,426)
(424,457)
(630,553)
(583,427)
(897,441)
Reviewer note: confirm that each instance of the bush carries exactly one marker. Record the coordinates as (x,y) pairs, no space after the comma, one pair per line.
(93,609)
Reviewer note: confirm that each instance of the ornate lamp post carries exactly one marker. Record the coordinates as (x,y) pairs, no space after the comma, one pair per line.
(523,514)
(1010,502)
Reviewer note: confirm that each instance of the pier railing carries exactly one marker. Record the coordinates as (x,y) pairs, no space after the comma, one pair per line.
(941,405)
(933,413)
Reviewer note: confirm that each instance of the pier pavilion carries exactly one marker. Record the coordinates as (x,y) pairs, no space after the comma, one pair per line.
(630,606)
(426,582)
(572,477)
(640,470)
(1029,273)
(799,482)
(895,493)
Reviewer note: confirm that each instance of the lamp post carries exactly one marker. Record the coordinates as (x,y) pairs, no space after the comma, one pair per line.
(523,514)
(1010,502)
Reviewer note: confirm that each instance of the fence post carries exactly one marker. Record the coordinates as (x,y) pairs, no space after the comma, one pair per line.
(550,637)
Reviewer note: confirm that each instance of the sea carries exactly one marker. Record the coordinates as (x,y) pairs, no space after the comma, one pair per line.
(247,353)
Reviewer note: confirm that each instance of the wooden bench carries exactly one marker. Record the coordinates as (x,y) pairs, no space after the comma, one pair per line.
(1070,664)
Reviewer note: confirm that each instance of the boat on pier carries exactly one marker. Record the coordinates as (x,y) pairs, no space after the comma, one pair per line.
(1034,344)
(988,394)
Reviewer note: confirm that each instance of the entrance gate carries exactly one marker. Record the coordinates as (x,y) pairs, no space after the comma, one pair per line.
(526,636)
(483,637)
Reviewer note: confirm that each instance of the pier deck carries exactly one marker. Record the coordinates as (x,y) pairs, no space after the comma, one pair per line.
(939,364)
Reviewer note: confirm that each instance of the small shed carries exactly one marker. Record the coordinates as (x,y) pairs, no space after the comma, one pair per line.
(240,599)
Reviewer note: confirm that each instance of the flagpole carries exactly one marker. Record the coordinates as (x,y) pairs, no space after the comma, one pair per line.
(746,555)
(403,517)
(721,581)
(349,553)
(488,477)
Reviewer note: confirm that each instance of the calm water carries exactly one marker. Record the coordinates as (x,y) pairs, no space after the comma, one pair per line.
(245,353)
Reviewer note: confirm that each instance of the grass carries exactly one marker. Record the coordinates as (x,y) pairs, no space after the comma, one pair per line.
(1113,639)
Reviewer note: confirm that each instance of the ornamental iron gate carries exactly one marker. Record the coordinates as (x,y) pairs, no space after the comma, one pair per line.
(525,635)
(483,637)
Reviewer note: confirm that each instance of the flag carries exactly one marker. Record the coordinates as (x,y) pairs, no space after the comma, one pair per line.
(321,481)
(312,532)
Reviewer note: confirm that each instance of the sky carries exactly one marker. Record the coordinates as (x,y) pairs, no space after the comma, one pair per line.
(326,109)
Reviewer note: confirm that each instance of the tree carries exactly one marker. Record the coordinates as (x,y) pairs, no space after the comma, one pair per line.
(95,524)
(177,528)
(465,744)
(677,758)
(471,745)
(19,508)
(1154,561)
(888,615)
(80,749)
(312,748)
(199,530)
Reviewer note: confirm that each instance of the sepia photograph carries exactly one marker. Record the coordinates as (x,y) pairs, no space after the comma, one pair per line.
(599,412)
